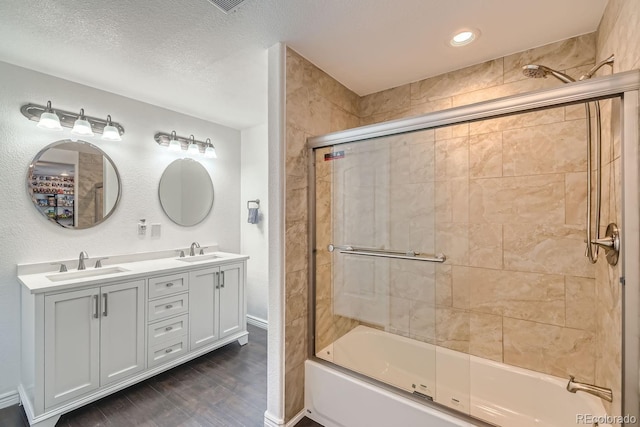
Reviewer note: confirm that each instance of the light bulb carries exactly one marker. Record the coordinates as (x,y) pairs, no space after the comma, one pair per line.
(49,120)
(193,147)
(174,144)
(210,151)
(82,127)
(110,132)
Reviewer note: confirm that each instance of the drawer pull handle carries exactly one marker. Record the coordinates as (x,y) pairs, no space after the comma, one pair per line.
(170,284)
(169,350)
(168,328)
(168,306)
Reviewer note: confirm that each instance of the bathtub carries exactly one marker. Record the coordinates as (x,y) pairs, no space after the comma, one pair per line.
(494,392)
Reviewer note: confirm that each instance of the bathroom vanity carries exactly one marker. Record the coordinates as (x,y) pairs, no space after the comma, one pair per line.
(89,333)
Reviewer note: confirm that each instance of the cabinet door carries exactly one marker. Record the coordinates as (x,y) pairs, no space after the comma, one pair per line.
(231,299)
(71,345)
(121,331)
(203,323)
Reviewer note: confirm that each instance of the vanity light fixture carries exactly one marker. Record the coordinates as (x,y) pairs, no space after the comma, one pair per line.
(191,145)
(210,150)
(110,132)
(174,144)
(49,120)
(80,124)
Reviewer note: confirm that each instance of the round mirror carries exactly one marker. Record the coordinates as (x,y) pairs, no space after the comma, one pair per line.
(74,184)
(186,192)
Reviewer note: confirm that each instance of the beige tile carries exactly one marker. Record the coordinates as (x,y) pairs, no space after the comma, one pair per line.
(342,120)
(319,115)
(475,77)
(327,87)
(386,101)
(452,328)
(575,190)
(422,320)
(460,287)
(453,131)
(296,306)
(295,71)
(485,155)
(296,205)
(324,281)
(485,336)
(422,234)
(531,199)
(297,109)
(399,310)
(485,245)
(528,296)
(294,391)
(608,22)
(421,158)
(507,89)
(557,249)
(452,158)
(430,106)
(296,247)
(581,300)
(452,239)
(517,121)
(549,349)
(324,328)
(560,55)
(549,148)
(451,203)
(443,285)
(414,285)
(295,343)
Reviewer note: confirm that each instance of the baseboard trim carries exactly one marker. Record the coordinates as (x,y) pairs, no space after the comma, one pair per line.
(271,421)
(295,420)
(258,322)
(9,399)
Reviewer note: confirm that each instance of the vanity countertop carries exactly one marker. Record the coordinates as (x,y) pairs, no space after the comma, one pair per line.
(109,273)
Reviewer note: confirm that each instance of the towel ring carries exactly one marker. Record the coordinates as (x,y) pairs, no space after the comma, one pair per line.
(256,201)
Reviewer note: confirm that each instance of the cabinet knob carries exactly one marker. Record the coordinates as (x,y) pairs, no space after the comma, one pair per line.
(168,306)
(168,328)
(169,350)
(170,284)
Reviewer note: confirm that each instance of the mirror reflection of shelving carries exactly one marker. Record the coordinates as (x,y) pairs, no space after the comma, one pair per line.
(53,189)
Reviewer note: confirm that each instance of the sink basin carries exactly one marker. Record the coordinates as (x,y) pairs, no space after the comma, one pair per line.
(197,258)
(58,277)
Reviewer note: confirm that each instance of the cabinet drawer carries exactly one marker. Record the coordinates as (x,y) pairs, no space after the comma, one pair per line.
(168,306)
(167,351)
(167,285)
(168,330)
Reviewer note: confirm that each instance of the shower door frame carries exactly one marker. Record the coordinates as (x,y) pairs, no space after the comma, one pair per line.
(624,85)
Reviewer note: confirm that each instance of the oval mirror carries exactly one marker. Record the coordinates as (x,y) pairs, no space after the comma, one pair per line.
(74,184)
(186,192)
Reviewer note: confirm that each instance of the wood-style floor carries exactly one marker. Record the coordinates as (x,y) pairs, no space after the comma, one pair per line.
(227,387)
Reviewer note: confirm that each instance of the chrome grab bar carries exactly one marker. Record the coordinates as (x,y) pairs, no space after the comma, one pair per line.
(387,253)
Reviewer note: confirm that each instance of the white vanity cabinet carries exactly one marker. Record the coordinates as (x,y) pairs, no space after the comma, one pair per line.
(217,303)
(92,337)
(85,338)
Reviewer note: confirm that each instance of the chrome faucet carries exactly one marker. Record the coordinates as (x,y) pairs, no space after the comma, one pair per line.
(192,248)
(83,256)
(601,392)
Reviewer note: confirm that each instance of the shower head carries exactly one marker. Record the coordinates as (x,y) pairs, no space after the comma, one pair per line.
(537,71)
(596,67)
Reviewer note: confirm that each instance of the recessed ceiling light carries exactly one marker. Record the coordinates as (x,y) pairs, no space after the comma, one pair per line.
(464,37)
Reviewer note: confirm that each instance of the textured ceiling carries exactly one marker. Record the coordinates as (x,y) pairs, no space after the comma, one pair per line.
(190,57)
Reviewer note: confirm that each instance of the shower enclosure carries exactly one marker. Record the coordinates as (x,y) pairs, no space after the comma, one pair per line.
(451,244)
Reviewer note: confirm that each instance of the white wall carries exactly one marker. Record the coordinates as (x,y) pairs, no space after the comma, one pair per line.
(254,237)
(27,236)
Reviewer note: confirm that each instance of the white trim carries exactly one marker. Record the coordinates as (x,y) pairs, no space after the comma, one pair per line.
(271,421)
(9,399)
(296,419)
(257,322)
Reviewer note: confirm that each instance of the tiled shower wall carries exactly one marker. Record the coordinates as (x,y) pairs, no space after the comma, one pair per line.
(619,34)
(317,104)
